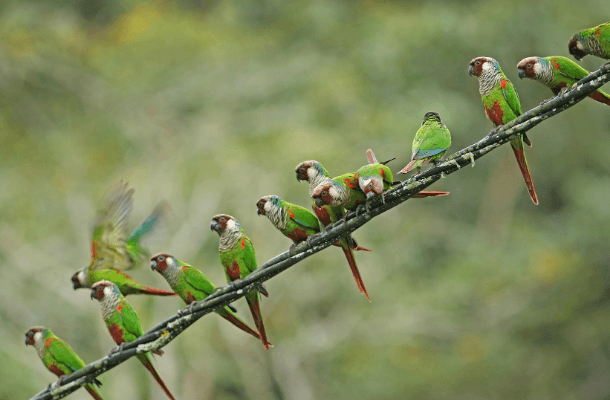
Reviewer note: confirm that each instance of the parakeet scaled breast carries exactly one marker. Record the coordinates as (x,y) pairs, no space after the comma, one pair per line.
(192,285)
(295,222)
(502,105)
(556,73)
(113,250)
(123,323)
(57,356)
(594,41)
(238,258)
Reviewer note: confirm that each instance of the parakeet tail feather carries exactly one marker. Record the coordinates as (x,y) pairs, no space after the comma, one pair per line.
(527,177)
(146,361)
(254,303)
(94,393)
(601,97)
(349,254)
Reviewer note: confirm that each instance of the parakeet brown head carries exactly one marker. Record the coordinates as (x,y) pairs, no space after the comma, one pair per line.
(161,262)
(576,47)
(34,334)
(308,170)
(325,194)
(431,116)
(104,289)
(268,204)
(222,223)
(530,67)
(483,65)
(371,186)
(80,280)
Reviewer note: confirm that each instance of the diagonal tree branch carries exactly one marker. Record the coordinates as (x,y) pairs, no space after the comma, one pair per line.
(166,331)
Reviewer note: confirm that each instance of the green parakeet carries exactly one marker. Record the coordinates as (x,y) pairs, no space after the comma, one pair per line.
(346,194)
(192,286)
(123,323)
(57,356)
(238,258)
(112,250)
(502,105)
(557,73)
(431,142)
(594,41)
(374,179)
(295,222)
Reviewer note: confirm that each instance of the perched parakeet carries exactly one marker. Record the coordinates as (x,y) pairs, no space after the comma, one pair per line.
(346,194)
(57,356)
(112,250)
(431,142)
(374,179)
(557,73)
(594,41)
(238,258)
(192,286)
(123,323)
(502,105)
(295,222)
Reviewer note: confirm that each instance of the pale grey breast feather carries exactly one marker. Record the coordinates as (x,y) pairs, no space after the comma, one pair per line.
(228,241)
(487,81)
(109,305)
(277,216)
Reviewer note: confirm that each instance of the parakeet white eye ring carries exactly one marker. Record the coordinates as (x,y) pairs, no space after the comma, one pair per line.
(324,193)
(529,65)
(161,258)
(477,63)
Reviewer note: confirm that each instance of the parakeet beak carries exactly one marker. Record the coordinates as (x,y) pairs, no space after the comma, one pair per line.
(521,73)
(370,194)
(258,212)
(215,226)
(299,177)
(92,294)
(26,341)
(470,70)
(153,265)
(318,202)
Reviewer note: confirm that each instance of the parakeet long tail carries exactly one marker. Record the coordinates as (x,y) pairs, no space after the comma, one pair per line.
(408,168)
(93,392)
(145,359)
(151,290)
(238,322)
(349,254)
(601,97)
(254,303)
(432,193)
(517,146)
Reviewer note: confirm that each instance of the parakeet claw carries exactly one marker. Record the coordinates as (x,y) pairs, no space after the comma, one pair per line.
(308,240)
(494,131)
(117,349)
(292,250)
(562,91)
(543,102)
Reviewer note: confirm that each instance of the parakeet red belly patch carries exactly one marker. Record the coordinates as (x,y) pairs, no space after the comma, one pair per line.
(495,113)
(55,369)
(189,298)
(298,236)
(117,333)
(322,215)
(233,271)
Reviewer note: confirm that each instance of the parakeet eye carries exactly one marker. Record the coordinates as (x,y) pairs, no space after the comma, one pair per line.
(260,203)
(222,219)
(161,258)
(529,65)
(477,63)
(302,169)
(371,184)
(324,193)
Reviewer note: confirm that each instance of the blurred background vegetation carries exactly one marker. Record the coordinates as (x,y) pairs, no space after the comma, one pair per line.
(210,105)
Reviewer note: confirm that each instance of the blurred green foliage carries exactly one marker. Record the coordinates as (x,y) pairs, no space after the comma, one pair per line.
(210,105)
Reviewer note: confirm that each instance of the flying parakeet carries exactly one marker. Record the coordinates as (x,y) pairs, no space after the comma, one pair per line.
(112,250)
(295,222)
(238,258)
(57,356)
(123,323)
(594,41)
(502,105)
(192,286)
(430,143)
(557,73)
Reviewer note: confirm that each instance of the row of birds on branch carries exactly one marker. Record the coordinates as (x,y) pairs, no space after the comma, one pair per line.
(113,251)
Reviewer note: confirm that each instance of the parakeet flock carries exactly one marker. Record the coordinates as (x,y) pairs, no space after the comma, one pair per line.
(113,250)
